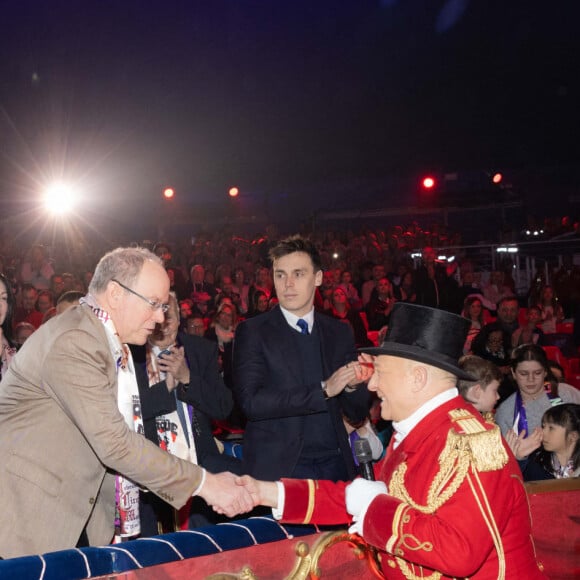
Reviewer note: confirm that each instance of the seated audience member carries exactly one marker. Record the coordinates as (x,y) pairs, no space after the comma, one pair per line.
(406,289)
(262,282)
(6,310)
(493,344)
(222,330)
(341,310)
(323,296)
(559,455)
(446,461)
(495,290)
(202,305)
(529,333)
(508,309)
(241,288)
(68,300)
(195,326)
(481,393)
(198,284)
(380,305)
(551,310)
(56,286)
(21,332)
(185,308)
(350,290)
(37,269)
(180,392)
(378,272)
(473,311)
(519,416)
(44,302)
(259,304)
(27,311)
(227,291)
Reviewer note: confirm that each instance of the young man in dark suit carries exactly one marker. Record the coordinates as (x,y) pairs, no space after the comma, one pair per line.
(296,375)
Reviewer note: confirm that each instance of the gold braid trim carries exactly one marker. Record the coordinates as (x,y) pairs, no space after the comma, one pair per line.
(311,498)
(490,522)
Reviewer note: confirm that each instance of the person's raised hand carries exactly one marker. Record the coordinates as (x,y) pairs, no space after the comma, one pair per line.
(175,366)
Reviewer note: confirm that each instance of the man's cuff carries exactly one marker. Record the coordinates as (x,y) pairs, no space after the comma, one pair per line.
(278,511)
(198,488)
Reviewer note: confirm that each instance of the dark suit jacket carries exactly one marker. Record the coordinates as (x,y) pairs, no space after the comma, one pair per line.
(270,391)
(206,392)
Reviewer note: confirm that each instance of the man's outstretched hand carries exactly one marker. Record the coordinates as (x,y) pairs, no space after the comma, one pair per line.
(262,492)
(224,496)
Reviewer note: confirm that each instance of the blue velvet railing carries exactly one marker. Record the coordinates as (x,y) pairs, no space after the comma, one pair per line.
(98,561)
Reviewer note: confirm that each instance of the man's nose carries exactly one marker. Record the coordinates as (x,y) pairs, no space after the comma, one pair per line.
(158,315)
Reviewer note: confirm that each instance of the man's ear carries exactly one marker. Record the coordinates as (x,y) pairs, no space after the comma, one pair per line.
(419,377)
(318,278)
(114,294)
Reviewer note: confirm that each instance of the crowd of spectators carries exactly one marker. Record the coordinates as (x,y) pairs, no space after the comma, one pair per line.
(221,279)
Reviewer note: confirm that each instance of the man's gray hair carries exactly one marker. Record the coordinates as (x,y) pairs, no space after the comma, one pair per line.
(122,264)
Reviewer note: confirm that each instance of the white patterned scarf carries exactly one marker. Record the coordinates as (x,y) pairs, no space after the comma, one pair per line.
(127,521)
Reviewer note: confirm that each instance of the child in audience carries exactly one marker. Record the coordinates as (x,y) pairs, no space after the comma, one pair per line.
(559,455)
(481,393)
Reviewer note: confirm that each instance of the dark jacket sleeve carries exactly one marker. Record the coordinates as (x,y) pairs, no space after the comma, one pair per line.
(206,390)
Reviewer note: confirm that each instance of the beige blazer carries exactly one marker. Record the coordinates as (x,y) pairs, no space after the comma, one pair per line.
(62,436)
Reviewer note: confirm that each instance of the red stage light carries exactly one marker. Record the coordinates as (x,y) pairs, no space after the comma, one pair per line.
(168,193)
(428,183)
(234,192)
(497,177)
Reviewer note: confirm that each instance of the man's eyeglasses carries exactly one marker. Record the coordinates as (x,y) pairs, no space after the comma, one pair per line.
(154,304)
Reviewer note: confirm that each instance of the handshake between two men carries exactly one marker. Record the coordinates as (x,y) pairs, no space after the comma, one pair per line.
(232,495)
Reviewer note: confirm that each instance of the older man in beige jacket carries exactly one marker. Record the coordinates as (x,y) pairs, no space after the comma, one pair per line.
(63,436)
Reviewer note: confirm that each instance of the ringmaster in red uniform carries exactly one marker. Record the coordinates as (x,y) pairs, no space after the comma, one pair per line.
(449,500)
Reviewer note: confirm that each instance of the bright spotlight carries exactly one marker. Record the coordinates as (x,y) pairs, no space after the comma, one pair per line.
(234,192)
(59,198)
(428,182)
(168,193)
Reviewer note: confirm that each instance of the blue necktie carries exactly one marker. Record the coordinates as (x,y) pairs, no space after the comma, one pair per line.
(303,326)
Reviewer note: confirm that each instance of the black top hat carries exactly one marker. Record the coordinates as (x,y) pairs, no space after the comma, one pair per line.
(426,335)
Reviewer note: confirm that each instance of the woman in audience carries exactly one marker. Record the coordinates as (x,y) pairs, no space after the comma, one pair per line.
(407,287)
(262,283)
(559,455)
(473,311)
(6,311)
(529,333)
(380,305)
(342,310)
(222,330)
(520,415)
(551,310)
(259,304)
(492,344)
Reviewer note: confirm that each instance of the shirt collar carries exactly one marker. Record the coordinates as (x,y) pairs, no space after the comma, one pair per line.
(404,427)
(292,319)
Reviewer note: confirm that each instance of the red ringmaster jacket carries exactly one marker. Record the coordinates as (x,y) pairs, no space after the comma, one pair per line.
(456,507)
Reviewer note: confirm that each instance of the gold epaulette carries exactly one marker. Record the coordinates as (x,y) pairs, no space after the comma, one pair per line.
(480,441)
